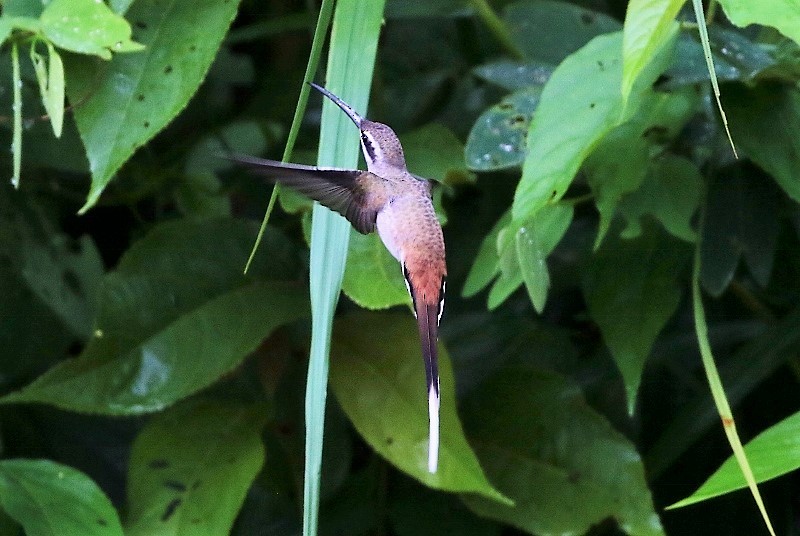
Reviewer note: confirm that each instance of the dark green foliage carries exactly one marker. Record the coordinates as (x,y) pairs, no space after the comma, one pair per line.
(149,386)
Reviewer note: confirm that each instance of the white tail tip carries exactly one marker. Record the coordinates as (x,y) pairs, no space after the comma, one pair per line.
(433,430)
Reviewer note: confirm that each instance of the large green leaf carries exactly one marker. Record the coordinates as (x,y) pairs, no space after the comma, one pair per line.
(780,14)
(50,499)
(563,464)
(174,317)
(125,103)
(378,378)
(580,104)
(765,122)
(87,27)
(648,25)
(50,282)
(774,452)
(434,152)
(632,289)
(372,277)
(549,31)
(190,469)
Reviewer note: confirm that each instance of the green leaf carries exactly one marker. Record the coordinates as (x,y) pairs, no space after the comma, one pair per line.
(51,85)
(671,193)
(22,8)
(379,381)
(765,122)
(580,104)
(632,289)
(50,499)
(649,24)
(50,283)
(514,75)
(739,222)
(372,277)
(616,167)
(174,317)
(87,27)
(435,153)
(535,240)
(780,14)
(549,31)
(774,452)
(497,139)
(191,467)
(487,261)
(125,103)
(562,463)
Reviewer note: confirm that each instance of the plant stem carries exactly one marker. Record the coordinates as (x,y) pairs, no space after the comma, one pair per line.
(497,27)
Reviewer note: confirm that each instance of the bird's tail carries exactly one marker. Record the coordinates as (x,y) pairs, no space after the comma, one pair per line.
(428,322)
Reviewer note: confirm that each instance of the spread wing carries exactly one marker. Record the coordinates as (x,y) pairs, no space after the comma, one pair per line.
(356,195)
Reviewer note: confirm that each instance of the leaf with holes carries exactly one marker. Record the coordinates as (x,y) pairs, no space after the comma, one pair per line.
(191,467)
(126,102)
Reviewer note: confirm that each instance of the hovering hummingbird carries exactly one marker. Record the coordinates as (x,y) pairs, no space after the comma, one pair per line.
(397,204)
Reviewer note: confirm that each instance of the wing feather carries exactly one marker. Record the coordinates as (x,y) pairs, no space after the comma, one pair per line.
(357,195)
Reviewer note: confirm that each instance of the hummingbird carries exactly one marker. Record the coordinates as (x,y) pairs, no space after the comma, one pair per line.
(388,199)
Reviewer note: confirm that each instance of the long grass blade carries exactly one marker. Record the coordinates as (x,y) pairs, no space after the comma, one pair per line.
(354,39)
(718,393)
(701,26)
(321,30)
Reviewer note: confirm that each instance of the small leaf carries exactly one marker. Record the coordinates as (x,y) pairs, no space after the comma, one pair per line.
(127,102)
(649,24)
(175,315)
(514,75)
(379,381)
(497,139)
(631,289)
(774,452)
(535,240)
(533,431)
(51,85)
(671,193)
(486,265)
(87,27)
(190,469)
(50,499)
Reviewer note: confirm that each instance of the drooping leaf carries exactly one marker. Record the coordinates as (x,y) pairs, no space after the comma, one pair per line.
(191,467)
(87,27)
(50,499)
(497,139)
(533,431)
(632,289)
(378,379)
(486,265)
(671,192)
(739,222)
(765,122)
(127,102)
(534,242)
(175,315)
(51,85)
(580,104)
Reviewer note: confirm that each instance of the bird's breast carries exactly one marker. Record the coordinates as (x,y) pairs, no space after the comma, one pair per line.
(407,226)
